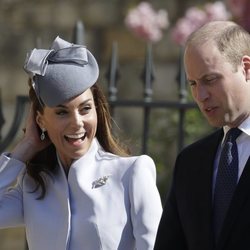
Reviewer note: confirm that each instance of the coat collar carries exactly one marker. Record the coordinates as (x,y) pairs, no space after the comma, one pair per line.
(91,153)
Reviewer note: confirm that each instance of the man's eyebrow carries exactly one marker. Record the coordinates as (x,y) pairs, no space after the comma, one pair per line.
(189,80)
(204,76)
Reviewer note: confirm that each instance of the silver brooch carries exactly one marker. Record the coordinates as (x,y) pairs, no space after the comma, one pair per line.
(100,182)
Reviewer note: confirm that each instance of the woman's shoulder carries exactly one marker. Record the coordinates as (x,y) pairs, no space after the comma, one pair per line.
(104,155)
(131,162)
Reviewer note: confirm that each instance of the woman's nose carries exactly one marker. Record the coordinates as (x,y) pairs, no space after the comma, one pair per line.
(77,120)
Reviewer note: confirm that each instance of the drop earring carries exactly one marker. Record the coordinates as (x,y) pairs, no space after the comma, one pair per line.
(42,136)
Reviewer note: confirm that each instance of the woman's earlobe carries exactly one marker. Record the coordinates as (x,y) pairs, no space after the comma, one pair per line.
(39,120)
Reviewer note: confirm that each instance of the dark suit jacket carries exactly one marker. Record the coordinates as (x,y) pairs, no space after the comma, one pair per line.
(186,222)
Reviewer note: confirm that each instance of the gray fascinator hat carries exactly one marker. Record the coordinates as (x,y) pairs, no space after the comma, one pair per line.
(62,72)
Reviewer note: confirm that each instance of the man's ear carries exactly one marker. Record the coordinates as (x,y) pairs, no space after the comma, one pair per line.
(246,66)
(39,120)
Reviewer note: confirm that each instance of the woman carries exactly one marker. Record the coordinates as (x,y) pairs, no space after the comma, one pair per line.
(76,187)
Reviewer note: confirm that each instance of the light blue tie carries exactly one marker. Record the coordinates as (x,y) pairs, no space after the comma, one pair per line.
(226,180)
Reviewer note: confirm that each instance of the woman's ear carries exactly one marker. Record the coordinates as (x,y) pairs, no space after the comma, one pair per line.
(246,66)
(39,120)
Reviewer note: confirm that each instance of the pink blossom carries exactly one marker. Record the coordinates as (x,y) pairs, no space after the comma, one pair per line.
(240,10)
(236,7)
(216,11)
(183,28)
(196,17)
(146,23)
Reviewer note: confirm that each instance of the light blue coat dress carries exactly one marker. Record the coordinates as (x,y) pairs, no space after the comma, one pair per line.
(106,202)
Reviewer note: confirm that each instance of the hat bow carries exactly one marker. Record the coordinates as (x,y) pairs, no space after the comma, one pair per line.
(61,52)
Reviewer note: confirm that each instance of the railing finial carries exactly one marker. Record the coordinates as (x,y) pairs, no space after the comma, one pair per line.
(148,73)
(79,36)
(113,73)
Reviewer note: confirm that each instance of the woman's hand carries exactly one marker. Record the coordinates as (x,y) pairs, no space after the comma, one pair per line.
(31,143)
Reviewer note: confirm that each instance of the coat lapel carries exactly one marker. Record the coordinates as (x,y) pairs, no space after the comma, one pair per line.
(203,178)
(238,200)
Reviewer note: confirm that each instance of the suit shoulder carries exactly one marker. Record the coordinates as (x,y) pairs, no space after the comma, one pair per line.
(210,139)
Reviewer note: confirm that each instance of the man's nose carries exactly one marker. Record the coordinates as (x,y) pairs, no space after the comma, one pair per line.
(201,93)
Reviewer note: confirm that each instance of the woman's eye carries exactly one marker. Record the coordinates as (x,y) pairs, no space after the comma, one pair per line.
(86,108)
(61,112)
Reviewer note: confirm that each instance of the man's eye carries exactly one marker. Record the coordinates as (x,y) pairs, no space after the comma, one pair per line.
(210,79)
(191,83)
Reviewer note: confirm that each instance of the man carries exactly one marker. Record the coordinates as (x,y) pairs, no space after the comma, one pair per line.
(217,64)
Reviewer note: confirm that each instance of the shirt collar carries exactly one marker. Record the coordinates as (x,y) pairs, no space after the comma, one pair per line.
(244,127)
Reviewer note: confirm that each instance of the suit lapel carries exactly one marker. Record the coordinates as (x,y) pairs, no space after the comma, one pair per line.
(238,200)
(203,179)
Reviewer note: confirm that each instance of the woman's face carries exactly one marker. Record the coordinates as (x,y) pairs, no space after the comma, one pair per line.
(71,126)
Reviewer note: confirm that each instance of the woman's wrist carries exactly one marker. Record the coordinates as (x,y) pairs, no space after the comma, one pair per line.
(23,151)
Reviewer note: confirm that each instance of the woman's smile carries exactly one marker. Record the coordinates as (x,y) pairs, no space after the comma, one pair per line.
(75,139)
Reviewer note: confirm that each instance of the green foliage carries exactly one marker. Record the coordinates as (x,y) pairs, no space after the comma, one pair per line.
(163,140)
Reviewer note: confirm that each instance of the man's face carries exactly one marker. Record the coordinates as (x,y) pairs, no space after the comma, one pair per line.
(221,91)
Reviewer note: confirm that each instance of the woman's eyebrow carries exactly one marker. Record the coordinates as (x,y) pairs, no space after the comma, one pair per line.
(82,103)
(86,101)
(61,106)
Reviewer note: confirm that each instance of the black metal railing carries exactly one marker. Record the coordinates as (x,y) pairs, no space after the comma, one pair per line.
(148,103)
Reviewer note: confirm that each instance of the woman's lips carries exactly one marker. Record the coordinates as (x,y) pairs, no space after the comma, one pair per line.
(75,139)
